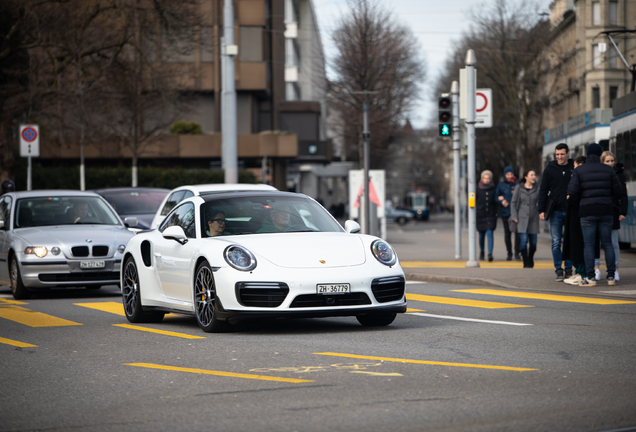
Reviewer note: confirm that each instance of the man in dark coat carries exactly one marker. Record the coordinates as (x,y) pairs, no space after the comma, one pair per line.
(595,184)
(504,192)
(553,203)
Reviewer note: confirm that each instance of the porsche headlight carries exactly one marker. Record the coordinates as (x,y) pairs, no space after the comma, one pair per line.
(38,251)
(239,258)
(383,252)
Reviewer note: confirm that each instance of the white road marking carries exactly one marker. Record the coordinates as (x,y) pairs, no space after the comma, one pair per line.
(468,319)
(415,282)
(631,292)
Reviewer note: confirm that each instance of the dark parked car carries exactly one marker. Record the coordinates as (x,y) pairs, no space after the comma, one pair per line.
(139,202)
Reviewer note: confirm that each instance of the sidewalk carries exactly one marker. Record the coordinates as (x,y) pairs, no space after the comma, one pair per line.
(427,253)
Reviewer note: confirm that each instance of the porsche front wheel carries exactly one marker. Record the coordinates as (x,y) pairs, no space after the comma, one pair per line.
(205,301)
(131,296)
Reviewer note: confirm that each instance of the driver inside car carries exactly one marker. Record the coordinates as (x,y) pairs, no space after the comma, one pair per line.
(80,211)
(278,221)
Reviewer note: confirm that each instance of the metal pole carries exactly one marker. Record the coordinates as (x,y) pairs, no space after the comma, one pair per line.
(456,169)
(229,157)
(29,170)
(471,61)
(366,135)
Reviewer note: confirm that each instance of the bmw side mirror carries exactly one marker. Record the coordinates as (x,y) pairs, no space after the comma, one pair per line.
(176,233)
(352,227)
(131,221)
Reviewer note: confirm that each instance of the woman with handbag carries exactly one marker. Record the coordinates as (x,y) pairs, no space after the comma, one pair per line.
(525,214)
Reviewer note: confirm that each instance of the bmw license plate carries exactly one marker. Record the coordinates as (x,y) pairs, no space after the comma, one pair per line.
(92,264)
(333,289)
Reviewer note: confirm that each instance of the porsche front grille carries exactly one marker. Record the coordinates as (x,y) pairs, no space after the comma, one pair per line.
(388,289)
(261,294)
(321,300)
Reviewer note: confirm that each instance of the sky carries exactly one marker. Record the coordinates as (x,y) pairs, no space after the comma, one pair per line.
(436,23)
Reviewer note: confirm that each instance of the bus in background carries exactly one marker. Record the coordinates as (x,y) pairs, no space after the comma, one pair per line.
(416,201)
(623,144)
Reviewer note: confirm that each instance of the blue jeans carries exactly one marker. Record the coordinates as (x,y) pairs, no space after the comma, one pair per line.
(617,251)
(557,220)
(491,240)
(589,225)
(523,241)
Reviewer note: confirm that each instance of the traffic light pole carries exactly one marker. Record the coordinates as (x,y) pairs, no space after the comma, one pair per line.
(471,61)
(456,169)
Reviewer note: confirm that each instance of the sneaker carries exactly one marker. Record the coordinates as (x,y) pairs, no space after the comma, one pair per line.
(587,282)
(518,257)
(573,280)
(490,258)
(616,278)
(509,257)
(568,273)
(481,256)
(597,274)
(611,281)
(559,277)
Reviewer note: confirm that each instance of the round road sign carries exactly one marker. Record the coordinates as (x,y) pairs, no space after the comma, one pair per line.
(481,102)
(29,134)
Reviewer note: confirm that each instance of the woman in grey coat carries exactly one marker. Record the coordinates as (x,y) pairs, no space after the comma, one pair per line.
(524,211)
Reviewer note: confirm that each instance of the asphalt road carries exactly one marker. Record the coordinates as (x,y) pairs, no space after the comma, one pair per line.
(459,360)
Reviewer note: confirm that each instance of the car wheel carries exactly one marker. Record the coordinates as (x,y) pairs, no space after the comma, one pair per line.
(401,220)
(205,301)
(19,291)
(131,297)
(376,319)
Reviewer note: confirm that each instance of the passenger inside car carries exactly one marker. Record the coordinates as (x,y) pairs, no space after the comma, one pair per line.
(216,224)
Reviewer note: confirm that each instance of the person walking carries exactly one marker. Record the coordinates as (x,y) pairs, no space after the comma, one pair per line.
(504,192)
(573,237)
(486,212)
(552,203)
(596,185)
(523,211)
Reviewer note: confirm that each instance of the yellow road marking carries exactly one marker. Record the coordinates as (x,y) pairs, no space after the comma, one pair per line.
(414,310)
(551,297)
(163,332)
(31,318)
(543,265)
(12,302)
(116,308)
(462,302)
(16,343)
(399,360)
(218,373)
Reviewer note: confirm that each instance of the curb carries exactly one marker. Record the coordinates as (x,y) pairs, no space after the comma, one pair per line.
(459,280)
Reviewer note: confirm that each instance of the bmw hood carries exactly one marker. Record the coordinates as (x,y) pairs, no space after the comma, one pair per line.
(72,235)
(307,250)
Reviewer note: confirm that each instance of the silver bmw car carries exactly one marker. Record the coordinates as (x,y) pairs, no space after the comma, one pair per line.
(59,238)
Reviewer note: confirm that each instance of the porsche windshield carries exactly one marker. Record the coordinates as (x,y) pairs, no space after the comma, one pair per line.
(61,210)
(265,214)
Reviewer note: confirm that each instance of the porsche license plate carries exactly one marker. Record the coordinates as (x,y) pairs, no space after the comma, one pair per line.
(92,264)
(333,289)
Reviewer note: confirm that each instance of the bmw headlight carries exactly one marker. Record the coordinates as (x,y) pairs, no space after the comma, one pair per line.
(239,258)
(383,252)
(38,251)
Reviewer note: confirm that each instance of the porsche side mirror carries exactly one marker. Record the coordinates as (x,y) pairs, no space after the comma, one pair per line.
(175,232)
(352,227)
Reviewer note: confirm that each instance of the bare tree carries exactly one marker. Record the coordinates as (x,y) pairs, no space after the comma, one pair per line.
(377,59)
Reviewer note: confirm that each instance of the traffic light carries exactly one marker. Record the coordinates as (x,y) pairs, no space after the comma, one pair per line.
(445,116)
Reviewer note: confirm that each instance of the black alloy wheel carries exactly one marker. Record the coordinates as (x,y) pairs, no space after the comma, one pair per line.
(376,319)
(131,297)
(205,301)
(19,291)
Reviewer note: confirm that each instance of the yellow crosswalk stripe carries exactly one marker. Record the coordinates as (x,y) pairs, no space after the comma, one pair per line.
(16,343)
(116,308)
(462,302)
(10,301)
(163,332)
(218,373)
(550,297)
(427,362)
(31,318)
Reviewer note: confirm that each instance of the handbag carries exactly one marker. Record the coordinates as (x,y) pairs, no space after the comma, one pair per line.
(512,225)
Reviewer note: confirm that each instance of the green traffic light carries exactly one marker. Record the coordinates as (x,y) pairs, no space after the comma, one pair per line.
(444,130)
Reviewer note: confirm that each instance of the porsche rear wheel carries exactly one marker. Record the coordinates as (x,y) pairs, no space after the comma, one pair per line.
(376,319)
(131,297)
(205,301)
(19,291)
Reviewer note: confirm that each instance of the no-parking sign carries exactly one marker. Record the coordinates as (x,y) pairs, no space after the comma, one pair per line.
(29,140)
(483,108)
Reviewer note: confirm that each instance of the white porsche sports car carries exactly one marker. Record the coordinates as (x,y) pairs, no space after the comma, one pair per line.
(234,255)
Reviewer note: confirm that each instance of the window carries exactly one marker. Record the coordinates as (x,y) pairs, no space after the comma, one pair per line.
(613,13)
(174,199)
(611,57)
(5,211)
(596,97)
(251,44)
(596,57)
(613,93)
(182,216)
(596,13)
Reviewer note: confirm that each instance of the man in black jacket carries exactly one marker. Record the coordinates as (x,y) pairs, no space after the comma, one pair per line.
(595,184)
(552,203)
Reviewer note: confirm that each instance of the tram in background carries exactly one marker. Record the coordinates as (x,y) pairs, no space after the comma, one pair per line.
(623,144)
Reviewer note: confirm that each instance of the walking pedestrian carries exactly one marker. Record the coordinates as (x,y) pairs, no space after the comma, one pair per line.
(573,236)
(552,203)
(596,184)
(523,211)
(504,192)
(486,212)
